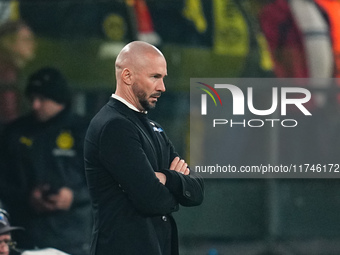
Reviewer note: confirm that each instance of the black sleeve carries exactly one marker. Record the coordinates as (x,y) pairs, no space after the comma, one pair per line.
(188,189)
(122,155)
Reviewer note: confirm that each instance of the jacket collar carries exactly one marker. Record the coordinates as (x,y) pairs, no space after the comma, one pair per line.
(126,102)
(122,108)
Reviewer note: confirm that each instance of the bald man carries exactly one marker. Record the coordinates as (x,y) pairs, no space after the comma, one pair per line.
(135,177)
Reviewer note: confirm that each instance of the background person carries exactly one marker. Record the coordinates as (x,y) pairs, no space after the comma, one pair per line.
(17,47)
(44,182)
(6,242)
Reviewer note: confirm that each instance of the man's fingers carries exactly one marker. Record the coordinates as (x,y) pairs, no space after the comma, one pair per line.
(187,171)
(161,177)
(174,163)
(36,194)
(184,167)
(179,166)
(49,206)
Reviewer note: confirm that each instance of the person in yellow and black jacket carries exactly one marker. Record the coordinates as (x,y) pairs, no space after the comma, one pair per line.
(44,185)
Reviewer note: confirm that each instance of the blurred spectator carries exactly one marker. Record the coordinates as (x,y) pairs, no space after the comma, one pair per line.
(284,39)
(145,28)
(318,45)
(7,246)
(44,184)
(17,46)
(331,10)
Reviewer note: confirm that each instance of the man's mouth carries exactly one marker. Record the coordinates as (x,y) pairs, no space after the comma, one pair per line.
(155,96)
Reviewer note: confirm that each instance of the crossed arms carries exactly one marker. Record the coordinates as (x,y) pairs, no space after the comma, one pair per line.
(123,155)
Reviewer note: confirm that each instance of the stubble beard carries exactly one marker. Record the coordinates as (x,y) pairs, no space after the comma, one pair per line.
(143,98)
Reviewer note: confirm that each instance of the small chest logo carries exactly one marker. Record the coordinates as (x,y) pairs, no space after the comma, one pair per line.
(26,141)
(65,141)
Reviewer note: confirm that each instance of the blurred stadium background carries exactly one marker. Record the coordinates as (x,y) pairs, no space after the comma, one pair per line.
(210,38)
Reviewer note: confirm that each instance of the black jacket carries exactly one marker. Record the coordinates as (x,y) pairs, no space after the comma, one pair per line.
(50,153)
(132,209)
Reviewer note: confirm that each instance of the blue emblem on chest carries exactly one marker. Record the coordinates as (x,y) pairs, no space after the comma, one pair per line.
(156,129)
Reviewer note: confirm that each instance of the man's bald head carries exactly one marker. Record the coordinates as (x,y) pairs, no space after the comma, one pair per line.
(135,55)
(140,70)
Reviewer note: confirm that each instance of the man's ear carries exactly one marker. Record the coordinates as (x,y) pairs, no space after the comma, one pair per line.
(126,76)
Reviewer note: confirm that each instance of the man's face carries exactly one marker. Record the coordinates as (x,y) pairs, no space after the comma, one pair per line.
(4,240)
(24,45)
(149,84)
(44,108)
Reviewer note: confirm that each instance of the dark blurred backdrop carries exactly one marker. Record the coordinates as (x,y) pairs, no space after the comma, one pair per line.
(210,38)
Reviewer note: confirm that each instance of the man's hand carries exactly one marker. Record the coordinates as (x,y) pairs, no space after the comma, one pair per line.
(161,177)
(63,199)
(38,201)
(179,166)
(41,202)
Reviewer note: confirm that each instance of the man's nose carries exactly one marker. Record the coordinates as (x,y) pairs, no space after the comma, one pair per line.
(36,103)
(161,86)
